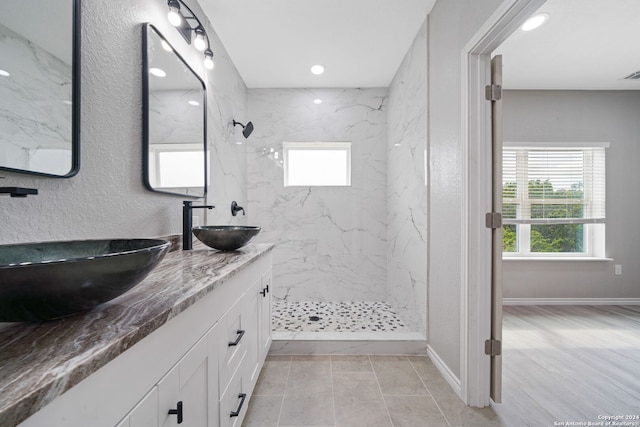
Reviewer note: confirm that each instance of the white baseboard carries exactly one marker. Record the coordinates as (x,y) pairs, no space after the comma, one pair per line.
(571,301)
(448,375)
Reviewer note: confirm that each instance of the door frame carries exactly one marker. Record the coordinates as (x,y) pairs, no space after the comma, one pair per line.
(475,294)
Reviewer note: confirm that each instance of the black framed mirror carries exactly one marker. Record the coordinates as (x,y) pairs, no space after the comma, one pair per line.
(40,87)
(174,120)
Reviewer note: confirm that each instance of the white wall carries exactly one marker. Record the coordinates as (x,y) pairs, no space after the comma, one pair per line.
(107,198)
(331,241)
(451,25)
(406,187)
(583,116)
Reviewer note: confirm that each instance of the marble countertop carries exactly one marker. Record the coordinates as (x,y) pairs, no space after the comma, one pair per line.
(40,361)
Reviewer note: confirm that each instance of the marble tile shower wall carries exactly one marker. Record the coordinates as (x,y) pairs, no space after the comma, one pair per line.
(41,106)
(407,190)
(330,241)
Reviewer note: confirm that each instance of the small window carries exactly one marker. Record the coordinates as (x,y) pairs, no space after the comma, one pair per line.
(317,163)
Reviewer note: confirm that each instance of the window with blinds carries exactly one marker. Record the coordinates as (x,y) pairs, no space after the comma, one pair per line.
(553,199)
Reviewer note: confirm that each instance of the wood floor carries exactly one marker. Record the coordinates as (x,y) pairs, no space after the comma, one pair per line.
(565,364)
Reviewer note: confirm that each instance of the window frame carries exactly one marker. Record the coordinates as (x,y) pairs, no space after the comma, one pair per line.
(315,146)
(594,231)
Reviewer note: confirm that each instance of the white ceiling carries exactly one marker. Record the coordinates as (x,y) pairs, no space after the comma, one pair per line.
(274,43)
(585,44)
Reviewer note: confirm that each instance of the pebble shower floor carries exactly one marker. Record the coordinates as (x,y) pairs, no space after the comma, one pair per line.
(350,316)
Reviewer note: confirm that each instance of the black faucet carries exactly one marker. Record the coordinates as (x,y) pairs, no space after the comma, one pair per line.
(18,191)
(187,223)
(235,208)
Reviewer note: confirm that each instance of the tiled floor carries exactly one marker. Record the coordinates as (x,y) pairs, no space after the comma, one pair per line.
(345,316)
(353,391)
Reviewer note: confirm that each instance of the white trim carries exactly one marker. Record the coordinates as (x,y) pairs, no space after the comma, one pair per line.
(444,370)
(475,294)
(571,301)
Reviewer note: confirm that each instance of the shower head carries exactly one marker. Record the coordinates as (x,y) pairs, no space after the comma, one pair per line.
(246,130)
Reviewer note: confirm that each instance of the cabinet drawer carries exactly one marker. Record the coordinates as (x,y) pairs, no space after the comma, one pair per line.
(232,344)
(235,400)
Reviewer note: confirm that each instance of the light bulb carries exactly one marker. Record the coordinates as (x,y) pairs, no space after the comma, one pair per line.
(317,101)
(199,42)
(317,69)
(174,17)
(208,59)
(4,73)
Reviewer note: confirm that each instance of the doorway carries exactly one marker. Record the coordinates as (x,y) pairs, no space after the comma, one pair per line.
(476,375)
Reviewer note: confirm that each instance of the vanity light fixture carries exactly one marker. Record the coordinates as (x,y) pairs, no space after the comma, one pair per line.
(535,21)
(181,22)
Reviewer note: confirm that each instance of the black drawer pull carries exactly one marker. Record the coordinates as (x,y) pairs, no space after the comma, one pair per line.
(237,341)
(242,397)
(177,411)
(264,291)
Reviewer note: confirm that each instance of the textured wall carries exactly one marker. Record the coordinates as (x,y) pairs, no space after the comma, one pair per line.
(330,240)
(406,188)
(583,116)
(107,197)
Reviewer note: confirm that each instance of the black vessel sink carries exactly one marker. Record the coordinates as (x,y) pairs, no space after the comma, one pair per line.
(50,280)
(225,237)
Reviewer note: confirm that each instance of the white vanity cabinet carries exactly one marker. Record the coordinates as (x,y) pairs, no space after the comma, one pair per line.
(201,366)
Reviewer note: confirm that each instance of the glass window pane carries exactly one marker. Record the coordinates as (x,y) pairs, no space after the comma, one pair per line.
(316,165)
(176,169)
(509,238)
(557,238)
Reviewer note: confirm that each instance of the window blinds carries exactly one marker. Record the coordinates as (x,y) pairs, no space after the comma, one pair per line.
(553,185)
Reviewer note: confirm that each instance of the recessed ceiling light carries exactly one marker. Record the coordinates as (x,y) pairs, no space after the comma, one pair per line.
(166,46)
(194,103)
(317,69)
(4,73)
(157,72)
(535,21)
(317,101)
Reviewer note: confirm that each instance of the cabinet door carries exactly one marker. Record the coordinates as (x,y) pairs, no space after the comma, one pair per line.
(250,305)
(145,413)
(183,392)
(264,315)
